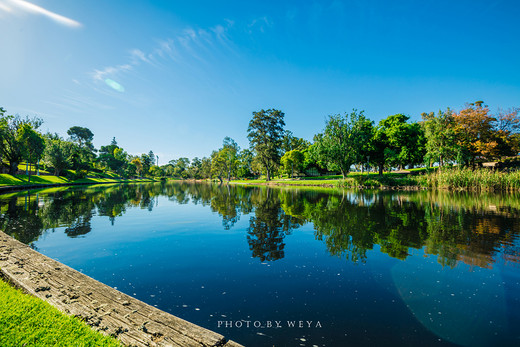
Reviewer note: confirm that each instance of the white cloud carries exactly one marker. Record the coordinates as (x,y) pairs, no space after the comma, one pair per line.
(99,75)
(32,8)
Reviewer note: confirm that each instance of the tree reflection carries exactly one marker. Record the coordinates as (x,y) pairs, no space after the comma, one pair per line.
(455,227)
(269,226)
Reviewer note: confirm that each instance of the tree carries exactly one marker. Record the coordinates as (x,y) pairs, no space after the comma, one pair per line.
(113,157)
(245,161)
(397,143)
(265,134)
(474,128)
(136,162)
(508,130)
(33,144)
(344,141)
(441,145)
(13,144)
(82,136)
(229,156)
(83,155)
(57,153)
(290,142)
(292,160)
(205,167)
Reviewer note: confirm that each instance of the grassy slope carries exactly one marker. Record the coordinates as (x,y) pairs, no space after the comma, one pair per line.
(9,180)
(28,321)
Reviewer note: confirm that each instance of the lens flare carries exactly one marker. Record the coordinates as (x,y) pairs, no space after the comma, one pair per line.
(114,85)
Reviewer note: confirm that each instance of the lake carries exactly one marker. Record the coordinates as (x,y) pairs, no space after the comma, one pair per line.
(293,267)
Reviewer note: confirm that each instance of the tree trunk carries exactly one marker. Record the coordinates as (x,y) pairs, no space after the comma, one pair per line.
(268,176)
(380,169)
(13,167)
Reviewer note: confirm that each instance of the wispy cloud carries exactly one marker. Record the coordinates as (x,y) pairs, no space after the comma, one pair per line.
(13,5)
(260,23)
(191,44)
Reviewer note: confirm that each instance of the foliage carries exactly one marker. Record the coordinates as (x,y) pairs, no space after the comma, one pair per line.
(344,141)
(397,143)
(16,134)
(441,145)
(291,161)
(265,134)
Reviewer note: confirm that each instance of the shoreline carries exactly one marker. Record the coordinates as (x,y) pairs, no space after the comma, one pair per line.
(103,308)
(42,185)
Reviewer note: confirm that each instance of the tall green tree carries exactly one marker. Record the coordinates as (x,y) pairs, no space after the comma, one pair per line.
(84,152)
(344,141)
(441,141)
(291,161)
(397,143)
(57,153)
(13,141)
(265,134)
(33,144)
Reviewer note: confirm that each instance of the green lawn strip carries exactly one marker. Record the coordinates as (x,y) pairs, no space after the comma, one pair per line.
(28,321)
(20,180)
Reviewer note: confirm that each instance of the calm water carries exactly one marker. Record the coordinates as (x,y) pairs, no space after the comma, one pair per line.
(289,267)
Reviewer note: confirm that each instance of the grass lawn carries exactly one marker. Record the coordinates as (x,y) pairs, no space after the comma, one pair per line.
(17,180)
(28,321)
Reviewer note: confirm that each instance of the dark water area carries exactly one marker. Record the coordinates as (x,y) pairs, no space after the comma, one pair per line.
(293,267)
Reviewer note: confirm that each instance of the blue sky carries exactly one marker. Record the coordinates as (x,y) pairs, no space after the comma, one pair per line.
(177,77)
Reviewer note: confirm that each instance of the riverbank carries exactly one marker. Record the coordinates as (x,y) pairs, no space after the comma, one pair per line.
(103,308)
(21,182)
(446,179)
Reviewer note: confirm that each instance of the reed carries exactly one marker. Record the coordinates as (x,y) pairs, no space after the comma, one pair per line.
(474,179)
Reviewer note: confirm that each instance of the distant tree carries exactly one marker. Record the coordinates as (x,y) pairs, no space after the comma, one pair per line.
(146,162)
(33,144)
(441,144)
(13,144)
(229,151)
(194,170)
(291,142)
(292,160)
(397,143)
(57,153)
(136,162)
(344,141)
(84,153)
(113,157)
(151,155)
(82,136)
(508,131)
(245,162)
(265,134)
(205,167)
(156,171)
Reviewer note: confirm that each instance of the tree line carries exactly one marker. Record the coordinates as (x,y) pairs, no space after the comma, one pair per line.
(74,156)
(349,141)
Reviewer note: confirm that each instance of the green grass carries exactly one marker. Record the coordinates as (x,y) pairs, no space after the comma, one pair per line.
(17,180)
(9,180)
(28,321)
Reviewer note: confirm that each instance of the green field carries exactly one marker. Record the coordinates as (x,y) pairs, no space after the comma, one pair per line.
(18,180)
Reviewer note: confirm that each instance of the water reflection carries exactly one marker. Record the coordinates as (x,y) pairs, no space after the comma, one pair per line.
(455,227)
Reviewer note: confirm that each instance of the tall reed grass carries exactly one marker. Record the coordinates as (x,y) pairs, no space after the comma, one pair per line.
(478,179)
